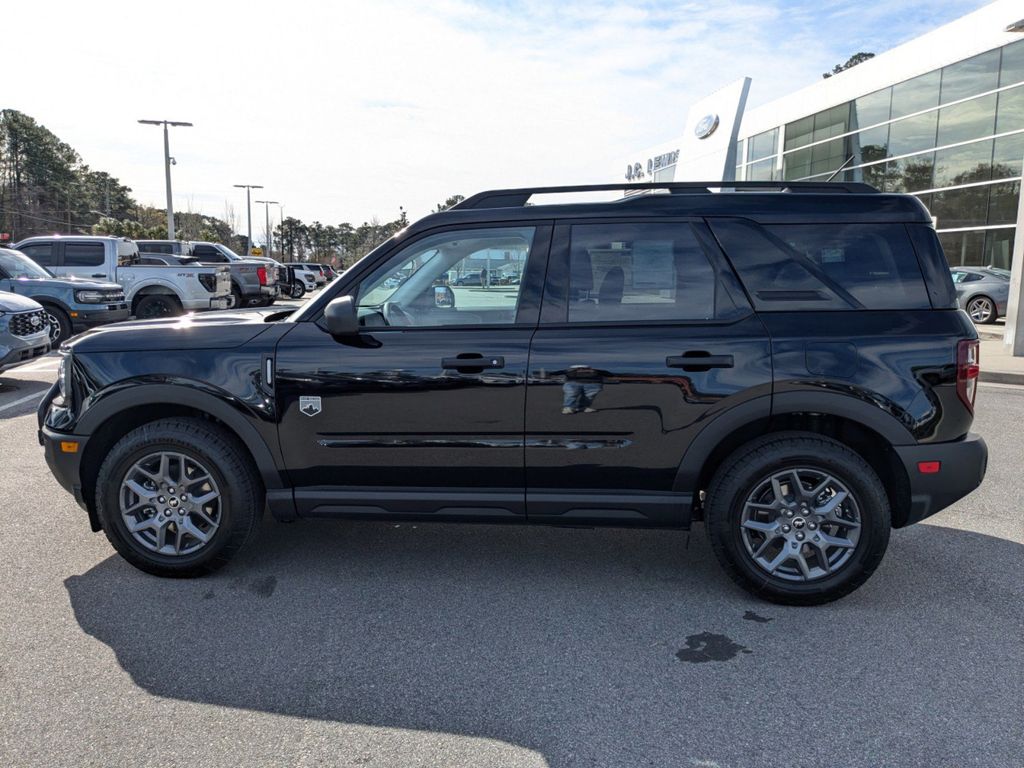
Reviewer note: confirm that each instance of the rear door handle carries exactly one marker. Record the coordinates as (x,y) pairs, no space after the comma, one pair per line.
(473,361)
(100,274)
(699,361)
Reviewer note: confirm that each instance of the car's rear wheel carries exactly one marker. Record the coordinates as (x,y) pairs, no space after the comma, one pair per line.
(157,305)
(178,497)
(60,325)
(236,296)
(982,310)
(798,519)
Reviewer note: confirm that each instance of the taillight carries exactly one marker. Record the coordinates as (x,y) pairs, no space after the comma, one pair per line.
(261,272)
(967,370)
(208,281)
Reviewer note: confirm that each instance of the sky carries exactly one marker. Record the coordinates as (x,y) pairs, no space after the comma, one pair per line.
(345,111)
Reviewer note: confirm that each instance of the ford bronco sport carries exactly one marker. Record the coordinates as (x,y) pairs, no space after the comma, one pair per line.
(784,361)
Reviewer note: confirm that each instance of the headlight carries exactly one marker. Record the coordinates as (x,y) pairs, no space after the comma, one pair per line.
(90,297)
(64,375)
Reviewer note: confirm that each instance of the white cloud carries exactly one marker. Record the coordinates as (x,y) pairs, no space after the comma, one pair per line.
(346,110)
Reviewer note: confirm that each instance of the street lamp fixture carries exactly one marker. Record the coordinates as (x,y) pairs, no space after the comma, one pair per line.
(270,235)
(248,208)
(168,162)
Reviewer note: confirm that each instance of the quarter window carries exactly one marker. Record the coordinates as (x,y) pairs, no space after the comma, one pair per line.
(640,272)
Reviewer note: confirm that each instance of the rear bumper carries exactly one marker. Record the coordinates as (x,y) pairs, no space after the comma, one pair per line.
(962,465)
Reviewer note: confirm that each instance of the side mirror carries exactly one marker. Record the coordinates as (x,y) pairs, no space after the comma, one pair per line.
(342,317)
(444,297)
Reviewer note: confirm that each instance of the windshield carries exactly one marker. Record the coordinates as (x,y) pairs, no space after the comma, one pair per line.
(16,264)
(227,252)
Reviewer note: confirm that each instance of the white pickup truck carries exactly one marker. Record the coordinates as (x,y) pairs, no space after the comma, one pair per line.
(151,291)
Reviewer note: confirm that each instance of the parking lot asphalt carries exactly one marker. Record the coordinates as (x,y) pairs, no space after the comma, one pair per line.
(371,644)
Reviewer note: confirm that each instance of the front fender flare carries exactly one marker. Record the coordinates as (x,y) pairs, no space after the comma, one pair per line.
(221,405)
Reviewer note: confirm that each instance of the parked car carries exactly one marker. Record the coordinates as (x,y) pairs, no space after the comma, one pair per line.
(310,273)
(982,291)
(24,330)
(72,305)
(470,278)
(151,291)
(253,281)
(785,362)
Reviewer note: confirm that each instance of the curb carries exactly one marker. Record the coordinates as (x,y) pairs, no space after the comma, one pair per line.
(1001,377)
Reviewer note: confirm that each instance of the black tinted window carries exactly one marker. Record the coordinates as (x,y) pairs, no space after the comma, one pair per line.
(83,254)
(825,266)
(40,253)
(627,272)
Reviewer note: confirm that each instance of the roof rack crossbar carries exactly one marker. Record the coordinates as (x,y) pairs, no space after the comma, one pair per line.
(517,198)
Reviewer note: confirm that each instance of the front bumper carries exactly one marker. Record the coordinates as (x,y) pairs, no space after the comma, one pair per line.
(84,319)
(26,349)
(962,465)
(199,305)
(63,454)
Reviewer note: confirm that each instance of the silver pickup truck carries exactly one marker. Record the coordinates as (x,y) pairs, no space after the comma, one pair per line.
(151,291)
(253,280)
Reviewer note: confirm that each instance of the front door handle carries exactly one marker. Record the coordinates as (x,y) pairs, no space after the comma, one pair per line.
(473,361)
(699,361)
(100,274)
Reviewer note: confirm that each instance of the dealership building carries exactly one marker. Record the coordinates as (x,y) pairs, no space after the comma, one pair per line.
(940,117)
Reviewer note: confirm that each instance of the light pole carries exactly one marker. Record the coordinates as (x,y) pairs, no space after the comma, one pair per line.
(270,235)
(168,160)
(248,209)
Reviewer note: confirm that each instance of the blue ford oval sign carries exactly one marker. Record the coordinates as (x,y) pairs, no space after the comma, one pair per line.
(706,126)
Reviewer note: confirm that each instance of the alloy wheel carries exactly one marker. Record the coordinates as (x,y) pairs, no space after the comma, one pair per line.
(980,310)
(170,503)
(800,524)
(54,327)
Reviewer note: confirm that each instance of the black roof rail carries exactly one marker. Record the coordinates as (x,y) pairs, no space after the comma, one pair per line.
(517,198)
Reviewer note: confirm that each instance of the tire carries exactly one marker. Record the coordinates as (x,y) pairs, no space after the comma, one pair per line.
(236,511)
(156,305)
(738,532)
(982,310)
(60,321)
(236,295)
(298,290)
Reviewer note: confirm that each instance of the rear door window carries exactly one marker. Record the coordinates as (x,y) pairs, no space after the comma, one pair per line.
(640,272)
(83,254)
(837,266)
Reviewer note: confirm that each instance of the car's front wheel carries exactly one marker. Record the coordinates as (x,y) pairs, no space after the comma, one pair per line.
(178,497)
(157,305)
(798,518)
(298,290)
(60,325)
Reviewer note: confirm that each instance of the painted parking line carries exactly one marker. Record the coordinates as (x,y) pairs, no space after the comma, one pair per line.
(37,396)
(44,365)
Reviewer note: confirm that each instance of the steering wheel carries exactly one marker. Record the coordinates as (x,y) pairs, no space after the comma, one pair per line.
(395,315)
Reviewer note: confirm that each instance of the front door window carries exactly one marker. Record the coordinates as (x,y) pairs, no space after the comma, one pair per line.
(461,278)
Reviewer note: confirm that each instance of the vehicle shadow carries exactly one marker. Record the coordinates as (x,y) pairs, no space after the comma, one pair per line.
(587,646)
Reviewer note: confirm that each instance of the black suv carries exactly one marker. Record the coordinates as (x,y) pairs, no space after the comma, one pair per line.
(785,362)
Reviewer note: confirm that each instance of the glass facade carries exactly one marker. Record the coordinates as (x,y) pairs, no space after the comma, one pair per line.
(954,137)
